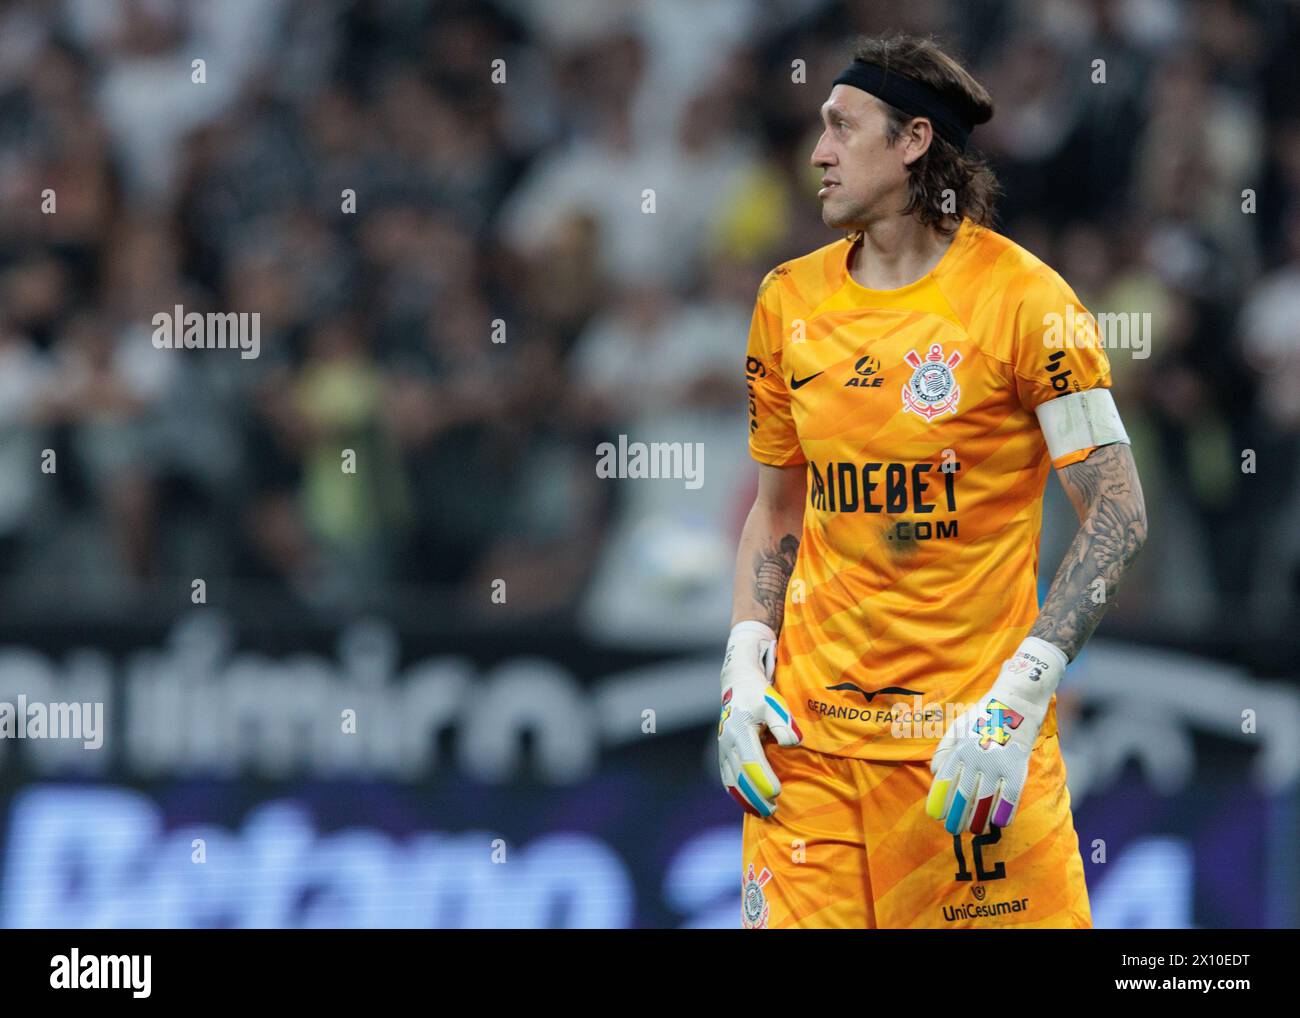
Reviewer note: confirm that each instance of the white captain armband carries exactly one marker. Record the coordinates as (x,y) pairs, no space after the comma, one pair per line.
(1079,421)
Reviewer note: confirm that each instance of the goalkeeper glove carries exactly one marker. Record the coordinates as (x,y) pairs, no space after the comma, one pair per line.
(982,760)
(749,704)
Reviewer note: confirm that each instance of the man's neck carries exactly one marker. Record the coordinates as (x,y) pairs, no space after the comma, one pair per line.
(896,252)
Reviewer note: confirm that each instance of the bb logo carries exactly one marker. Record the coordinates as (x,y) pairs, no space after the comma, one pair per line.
(978,891)
(999,724)
(754,902)
(1060,376)
(932,390)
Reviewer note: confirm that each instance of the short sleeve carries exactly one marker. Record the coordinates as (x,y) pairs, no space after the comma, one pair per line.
(772,436)
(1058,349)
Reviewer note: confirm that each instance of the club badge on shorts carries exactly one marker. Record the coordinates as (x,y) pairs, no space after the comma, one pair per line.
(754,902)
(932,390)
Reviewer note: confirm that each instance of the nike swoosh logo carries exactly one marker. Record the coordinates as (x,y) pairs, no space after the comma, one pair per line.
(796,383)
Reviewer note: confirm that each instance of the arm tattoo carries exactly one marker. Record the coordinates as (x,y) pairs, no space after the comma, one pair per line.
(772,568)
(1106,493)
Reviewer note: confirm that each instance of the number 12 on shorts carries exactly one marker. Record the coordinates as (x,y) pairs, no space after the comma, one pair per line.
(978,843)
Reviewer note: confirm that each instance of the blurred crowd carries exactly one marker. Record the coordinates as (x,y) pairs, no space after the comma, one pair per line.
(484,237)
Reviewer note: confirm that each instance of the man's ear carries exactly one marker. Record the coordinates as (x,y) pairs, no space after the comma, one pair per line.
(917,136)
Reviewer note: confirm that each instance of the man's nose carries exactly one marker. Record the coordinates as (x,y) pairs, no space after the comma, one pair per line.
(821,155)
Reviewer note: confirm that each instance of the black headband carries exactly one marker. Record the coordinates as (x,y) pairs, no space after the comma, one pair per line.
(910,96)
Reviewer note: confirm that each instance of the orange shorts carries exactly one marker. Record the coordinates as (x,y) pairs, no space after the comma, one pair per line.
(850,847)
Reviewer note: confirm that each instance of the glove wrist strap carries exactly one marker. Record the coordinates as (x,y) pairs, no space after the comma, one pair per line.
(1033,672)
(760,629)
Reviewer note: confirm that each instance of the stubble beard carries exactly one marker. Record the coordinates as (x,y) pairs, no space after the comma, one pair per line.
(851,217)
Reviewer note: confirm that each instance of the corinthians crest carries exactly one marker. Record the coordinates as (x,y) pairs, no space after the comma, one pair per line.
(932,390)
(755,906)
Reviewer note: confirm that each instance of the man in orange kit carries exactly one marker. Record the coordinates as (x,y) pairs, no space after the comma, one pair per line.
(909,386)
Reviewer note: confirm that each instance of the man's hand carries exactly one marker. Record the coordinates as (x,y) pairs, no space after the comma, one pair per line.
(982,761)
(749,704)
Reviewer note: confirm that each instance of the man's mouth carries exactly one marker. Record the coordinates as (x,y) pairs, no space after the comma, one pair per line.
(826,187)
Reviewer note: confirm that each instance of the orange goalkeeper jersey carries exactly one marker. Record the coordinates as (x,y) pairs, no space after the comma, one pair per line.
(913,410)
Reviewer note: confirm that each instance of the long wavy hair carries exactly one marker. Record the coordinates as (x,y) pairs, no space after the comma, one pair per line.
(943,168)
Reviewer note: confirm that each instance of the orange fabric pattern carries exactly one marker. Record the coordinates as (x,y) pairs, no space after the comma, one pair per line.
(913,413)
(850,847)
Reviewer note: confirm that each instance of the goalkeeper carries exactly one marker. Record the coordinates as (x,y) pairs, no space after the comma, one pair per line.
(888,718)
